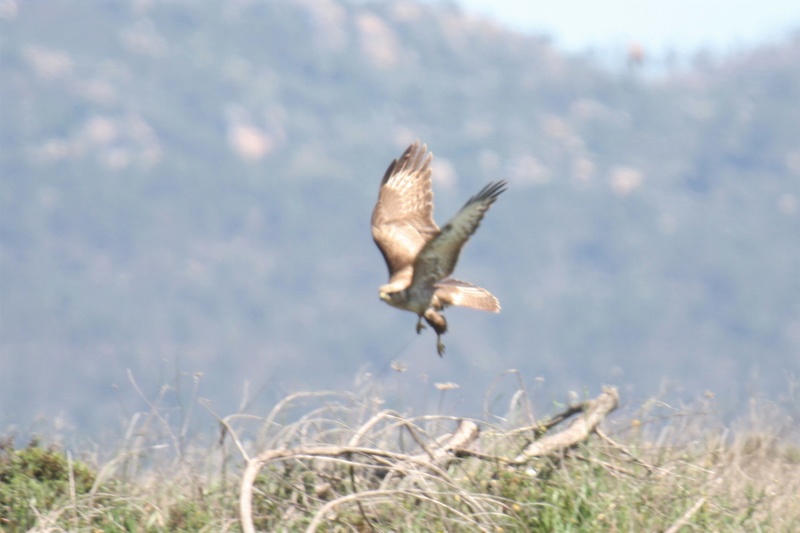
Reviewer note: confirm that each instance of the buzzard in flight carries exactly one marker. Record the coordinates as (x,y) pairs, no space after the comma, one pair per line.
(420,256)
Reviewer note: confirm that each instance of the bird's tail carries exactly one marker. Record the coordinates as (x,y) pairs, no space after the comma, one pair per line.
(456,292)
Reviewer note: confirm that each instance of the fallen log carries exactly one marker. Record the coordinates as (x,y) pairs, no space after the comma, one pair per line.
(593,412)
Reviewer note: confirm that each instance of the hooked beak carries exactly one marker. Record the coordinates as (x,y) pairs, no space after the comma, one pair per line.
(384,296)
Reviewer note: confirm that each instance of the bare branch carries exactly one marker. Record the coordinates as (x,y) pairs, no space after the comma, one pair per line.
(683,520)
(594,411)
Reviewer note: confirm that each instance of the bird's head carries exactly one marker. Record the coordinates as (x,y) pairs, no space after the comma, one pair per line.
(391,295)
(388,297)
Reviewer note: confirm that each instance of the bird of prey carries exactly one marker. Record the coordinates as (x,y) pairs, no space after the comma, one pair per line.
(420,256)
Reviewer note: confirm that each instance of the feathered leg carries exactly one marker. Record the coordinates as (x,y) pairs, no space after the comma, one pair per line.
(439,325)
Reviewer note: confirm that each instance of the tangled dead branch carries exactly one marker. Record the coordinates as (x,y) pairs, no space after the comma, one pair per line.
(376,475)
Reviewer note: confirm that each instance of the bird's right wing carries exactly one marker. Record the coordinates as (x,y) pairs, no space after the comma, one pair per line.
(402,221)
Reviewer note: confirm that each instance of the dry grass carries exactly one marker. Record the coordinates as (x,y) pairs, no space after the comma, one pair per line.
(333,461)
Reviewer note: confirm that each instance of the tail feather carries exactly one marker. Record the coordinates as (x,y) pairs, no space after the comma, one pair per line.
(456,292)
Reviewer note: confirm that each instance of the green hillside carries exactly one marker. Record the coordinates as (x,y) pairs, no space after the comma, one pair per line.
(187,187)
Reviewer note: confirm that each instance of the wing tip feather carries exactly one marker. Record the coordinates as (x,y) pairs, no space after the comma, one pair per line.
(415,158)
(491,191)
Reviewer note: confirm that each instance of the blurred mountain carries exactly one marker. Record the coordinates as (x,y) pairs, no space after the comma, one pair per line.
(186,188)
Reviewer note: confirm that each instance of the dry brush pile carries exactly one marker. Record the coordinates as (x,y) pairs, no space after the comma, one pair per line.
(390,471)
(356,468)
(335,461)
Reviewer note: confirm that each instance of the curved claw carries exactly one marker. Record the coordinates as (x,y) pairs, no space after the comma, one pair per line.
(439,346)
(420,326)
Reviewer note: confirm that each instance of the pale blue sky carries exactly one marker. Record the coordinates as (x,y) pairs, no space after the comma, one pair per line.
(682,25)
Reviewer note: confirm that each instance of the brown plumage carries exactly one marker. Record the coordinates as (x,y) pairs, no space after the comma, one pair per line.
(419,255)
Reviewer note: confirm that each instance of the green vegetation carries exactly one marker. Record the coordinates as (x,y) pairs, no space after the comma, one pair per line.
(42,489)
(37,477)
(655,469)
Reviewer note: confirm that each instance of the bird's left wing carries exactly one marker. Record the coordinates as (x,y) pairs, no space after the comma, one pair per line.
(439,256)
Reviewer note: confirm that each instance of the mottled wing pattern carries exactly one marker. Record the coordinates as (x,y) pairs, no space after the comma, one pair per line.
(402,221)
(456,292)
(439,256)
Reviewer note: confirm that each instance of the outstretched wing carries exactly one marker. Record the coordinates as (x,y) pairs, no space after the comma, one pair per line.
(439,256)
(456,292)
(402,221)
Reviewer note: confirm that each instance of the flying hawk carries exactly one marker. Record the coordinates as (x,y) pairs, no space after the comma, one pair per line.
(419,255)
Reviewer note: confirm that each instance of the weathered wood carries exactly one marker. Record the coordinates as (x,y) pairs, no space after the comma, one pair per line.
(594,412)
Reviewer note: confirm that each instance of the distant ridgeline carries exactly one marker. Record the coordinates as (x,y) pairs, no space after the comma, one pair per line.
(186,187)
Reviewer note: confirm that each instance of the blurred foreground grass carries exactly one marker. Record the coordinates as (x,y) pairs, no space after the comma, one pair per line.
(652,468)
